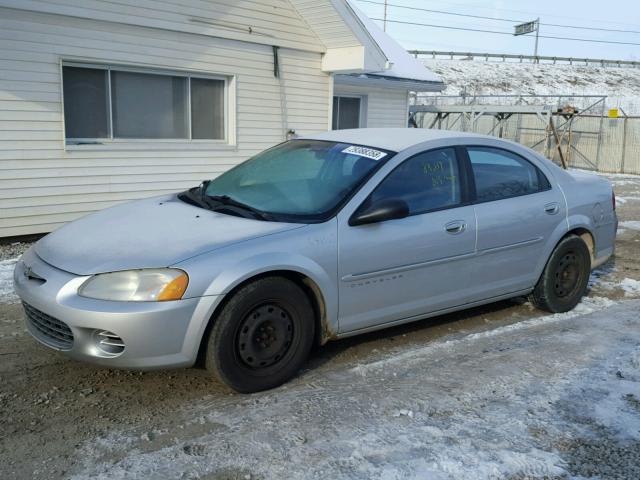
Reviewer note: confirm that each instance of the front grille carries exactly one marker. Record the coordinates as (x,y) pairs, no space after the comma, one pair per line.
(49,330)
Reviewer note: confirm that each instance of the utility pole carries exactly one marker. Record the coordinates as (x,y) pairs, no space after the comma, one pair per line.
(535,50)
(384,24)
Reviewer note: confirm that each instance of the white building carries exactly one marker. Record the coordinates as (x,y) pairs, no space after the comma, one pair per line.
(105,101)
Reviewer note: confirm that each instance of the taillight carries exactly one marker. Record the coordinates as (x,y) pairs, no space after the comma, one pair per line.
(613,199)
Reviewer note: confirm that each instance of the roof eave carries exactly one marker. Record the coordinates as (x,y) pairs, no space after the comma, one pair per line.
(387,81)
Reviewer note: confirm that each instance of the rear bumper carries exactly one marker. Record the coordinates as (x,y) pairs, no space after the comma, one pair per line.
(155,334)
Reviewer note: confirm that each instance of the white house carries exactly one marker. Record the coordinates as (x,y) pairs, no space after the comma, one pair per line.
(105,101)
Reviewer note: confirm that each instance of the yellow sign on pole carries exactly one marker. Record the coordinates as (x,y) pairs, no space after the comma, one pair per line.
(613,113)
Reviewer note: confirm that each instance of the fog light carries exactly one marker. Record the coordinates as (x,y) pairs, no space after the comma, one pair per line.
(108,343)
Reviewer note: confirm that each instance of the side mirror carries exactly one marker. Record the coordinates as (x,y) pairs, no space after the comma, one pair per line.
(380,211)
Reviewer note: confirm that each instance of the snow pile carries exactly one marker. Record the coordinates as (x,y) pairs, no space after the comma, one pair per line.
(630,286)
(623,200)
(7,295)
(631,225)
(621,85)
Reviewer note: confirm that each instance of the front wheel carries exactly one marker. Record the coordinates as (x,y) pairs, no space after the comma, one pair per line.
(262,335)
(564,280)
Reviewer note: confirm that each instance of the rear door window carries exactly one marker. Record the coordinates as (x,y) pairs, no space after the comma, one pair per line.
(502,174)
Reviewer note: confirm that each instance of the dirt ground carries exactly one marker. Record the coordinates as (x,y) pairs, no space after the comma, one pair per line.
(62,419)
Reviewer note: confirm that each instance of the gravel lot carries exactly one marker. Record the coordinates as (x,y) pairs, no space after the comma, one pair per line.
(501,391)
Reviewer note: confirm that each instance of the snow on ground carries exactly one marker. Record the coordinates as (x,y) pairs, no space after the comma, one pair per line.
(621,85)
(537,400)
(588,305)
(7,295)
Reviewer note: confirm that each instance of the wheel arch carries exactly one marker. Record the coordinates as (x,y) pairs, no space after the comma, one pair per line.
(581,230)
(324,330)
(587,237)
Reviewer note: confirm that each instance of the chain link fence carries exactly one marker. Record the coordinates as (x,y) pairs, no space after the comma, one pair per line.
(576,130)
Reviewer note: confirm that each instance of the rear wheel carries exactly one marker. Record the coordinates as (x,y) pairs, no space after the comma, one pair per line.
(262,335)
(564,280)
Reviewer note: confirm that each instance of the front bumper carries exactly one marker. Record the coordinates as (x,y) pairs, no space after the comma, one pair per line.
(155,334)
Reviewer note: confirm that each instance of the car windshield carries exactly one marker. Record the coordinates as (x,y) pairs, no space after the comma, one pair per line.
(299,180)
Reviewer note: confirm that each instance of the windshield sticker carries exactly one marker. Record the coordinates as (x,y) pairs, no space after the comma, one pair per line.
(365,152)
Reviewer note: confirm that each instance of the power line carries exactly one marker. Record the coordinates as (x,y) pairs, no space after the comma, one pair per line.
(505,33)
(441,11)
(510,20)
(443,26)
(590,28)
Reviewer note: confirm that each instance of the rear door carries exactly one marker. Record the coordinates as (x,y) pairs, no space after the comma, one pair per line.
(517,210)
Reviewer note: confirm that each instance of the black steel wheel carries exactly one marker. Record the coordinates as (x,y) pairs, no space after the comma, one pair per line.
(564,280)
(567,275)
(262,335)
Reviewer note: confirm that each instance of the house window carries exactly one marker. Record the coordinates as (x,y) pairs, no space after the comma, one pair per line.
(106,103)
(347,112)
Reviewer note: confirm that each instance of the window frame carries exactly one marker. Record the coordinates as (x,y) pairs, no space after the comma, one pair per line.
(229,115)
(542,177)
(465,197)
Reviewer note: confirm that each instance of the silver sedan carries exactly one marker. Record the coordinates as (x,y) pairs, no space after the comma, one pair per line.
(315,239)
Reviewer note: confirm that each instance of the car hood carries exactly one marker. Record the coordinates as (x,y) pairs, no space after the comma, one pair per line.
(155,232)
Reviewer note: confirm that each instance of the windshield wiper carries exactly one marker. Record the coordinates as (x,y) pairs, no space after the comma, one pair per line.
(198,196)
(194,197)
(227,201)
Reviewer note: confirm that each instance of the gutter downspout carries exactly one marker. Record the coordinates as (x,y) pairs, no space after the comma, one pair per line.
(283,94)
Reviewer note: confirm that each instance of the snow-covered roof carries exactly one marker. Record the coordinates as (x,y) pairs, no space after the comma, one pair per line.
(403,68)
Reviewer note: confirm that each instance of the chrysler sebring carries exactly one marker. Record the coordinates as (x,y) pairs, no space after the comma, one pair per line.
(315,239)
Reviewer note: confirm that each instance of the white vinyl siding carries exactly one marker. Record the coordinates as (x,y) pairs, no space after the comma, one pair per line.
(269,22)
(327,23)
(386,107)
(44,183)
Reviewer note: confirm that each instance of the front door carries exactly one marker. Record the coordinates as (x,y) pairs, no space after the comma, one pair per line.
(411,266)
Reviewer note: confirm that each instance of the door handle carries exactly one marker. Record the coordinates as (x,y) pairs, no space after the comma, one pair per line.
(455,227)
(552,208)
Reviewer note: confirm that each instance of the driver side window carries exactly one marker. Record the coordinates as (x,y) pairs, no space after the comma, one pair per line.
(426,182)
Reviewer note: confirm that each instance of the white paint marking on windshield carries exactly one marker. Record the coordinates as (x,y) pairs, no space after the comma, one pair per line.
(365,152)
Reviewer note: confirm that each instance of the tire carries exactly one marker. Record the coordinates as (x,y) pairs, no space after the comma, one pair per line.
(262,335)
(564,280)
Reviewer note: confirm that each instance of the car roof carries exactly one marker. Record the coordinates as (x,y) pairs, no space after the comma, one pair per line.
(394,139)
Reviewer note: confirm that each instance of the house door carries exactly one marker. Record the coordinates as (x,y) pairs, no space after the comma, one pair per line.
(346,112)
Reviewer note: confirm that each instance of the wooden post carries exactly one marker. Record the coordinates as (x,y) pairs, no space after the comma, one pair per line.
(558,146)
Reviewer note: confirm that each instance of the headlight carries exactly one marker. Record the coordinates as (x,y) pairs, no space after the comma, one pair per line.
(148,285)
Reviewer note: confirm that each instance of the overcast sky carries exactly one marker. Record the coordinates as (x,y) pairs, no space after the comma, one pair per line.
(612,14)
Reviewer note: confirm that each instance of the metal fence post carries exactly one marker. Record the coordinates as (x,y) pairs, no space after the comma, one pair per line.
(624,141)
(603,100)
